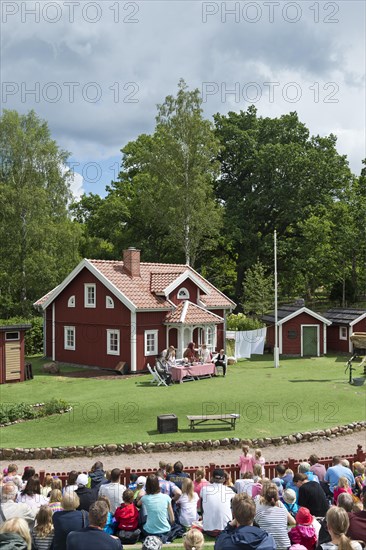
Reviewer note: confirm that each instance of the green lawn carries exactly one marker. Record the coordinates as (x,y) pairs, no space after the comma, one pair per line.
(302,394)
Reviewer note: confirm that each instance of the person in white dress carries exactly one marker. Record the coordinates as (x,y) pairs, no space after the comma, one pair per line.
(187,503)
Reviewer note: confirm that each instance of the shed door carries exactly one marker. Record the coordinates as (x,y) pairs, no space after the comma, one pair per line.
(310,340)
(12,361)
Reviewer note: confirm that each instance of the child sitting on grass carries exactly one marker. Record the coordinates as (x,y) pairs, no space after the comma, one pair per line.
(342,487)
(187,503)
(304,533)
(43,533)
(193,540)
(127,518)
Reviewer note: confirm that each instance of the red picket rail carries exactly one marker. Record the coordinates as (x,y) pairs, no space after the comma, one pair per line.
(232,469)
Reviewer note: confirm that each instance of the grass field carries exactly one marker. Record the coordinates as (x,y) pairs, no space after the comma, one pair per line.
(302,394)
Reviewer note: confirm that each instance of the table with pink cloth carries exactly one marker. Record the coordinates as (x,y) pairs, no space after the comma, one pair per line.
(178,373)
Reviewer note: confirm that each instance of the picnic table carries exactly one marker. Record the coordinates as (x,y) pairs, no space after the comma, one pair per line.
(230,419)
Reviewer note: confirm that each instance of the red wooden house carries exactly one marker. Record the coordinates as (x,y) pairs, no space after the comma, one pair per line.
(106,313)
(300,331)
(12,360)
(344,322)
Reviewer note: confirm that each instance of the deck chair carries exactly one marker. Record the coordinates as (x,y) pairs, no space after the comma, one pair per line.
(156,378)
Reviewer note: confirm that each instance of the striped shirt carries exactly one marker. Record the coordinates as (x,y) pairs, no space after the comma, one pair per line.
(42,543)
(273,520)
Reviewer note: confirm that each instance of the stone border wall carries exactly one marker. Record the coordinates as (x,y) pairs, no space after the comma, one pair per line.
(177,446)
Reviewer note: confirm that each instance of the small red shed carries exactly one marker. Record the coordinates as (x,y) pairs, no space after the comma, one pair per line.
(12,353)
(300,331)
(345,321)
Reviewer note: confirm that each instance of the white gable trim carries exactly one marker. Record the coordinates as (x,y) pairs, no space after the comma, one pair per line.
(304,310)
(85,263)
(355,321)
(183,277)
(184,311)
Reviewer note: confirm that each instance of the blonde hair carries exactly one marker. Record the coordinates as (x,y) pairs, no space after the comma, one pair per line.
(289,472)
(70,501)
(358,468)
(20,527)
(187,488)
(55,495)
(44,525)
(47,480)
(193,540)
(56,484)
(162,464)
(258,453)
(343,482)
(245,449)
(338,524)
(257,470)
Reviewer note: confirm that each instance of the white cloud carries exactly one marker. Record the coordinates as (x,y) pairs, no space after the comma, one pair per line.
(129,67)
(76,185)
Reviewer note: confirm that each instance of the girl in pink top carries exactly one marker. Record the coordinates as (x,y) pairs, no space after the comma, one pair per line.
(343,487)
(245,461)
(199,482)
(259,459)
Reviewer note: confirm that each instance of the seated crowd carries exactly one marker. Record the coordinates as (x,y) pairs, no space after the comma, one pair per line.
(312,508)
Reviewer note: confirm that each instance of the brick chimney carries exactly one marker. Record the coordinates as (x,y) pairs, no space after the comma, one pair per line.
(131,261)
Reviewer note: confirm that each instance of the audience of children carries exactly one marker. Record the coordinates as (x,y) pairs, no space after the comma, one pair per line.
(152,510)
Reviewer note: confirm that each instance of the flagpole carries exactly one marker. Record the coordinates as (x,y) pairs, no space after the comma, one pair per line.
(275,351)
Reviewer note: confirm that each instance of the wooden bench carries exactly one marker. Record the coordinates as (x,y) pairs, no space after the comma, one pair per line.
(195,420)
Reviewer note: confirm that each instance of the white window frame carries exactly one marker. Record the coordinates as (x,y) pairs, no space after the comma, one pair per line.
(109,302)
(210,337)
(68,346)
(7,339)
(110,332)
(183,294)
(154,350)
(341,337)
(71,301)
(88,304)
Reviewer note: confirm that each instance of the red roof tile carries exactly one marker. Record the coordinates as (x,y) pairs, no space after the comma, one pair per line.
(154,278)
(191,314)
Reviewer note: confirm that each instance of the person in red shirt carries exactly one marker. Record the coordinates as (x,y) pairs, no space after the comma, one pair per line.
(127,517)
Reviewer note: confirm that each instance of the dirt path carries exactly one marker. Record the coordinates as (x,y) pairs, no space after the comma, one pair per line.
(341,445)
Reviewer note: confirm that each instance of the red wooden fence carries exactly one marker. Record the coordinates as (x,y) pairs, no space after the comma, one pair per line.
(232,469)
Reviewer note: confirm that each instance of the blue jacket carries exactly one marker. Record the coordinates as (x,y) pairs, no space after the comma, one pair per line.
(66,521)
(92,538)
(245,537)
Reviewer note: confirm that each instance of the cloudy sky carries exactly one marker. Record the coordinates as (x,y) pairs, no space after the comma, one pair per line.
(96,70)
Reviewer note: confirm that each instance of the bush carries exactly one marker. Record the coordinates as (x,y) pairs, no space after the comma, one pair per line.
(25,411)
(242,322)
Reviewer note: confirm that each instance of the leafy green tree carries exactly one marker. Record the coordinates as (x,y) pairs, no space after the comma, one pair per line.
(167,183)
(258,290)
(39,242)
(273,175)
